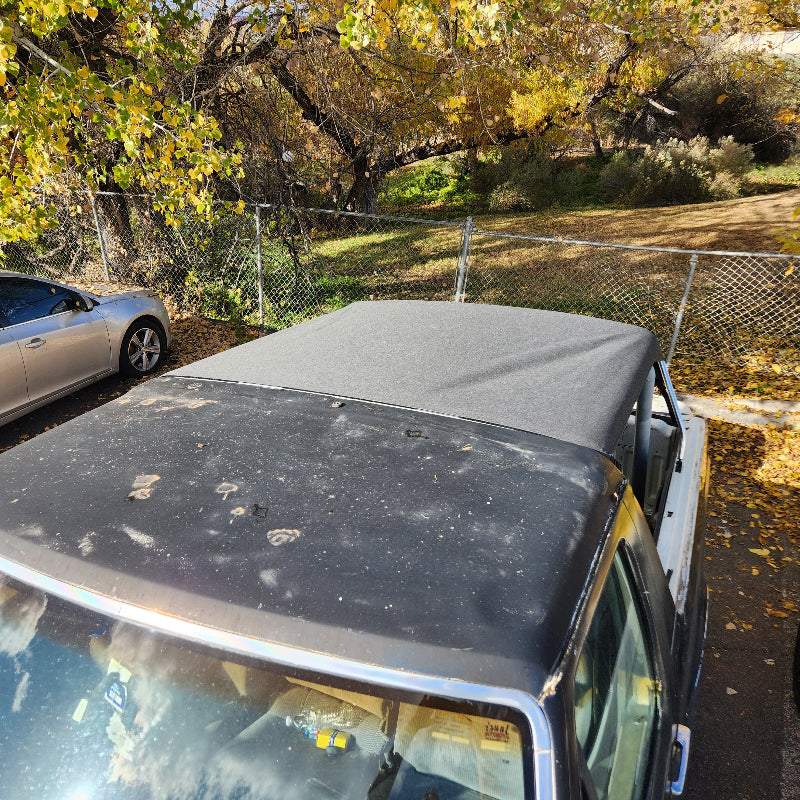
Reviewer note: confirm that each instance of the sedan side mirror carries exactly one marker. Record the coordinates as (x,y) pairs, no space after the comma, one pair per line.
(83,303)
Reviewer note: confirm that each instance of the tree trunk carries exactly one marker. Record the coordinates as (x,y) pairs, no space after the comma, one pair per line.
(363,194)
(595,139)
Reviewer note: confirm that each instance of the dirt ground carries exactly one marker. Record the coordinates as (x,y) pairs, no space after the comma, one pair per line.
(749,224)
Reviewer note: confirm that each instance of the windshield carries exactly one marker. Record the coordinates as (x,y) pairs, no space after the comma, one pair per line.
(92,707)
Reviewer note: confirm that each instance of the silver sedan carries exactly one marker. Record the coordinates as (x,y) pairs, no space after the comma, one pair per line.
(55,339)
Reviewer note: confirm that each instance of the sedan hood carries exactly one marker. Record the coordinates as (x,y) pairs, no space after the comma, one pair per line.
(133,294)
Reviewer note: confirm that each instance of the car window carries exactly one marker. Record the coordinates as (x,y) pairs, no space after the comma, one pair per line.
(98,708)
(651,476)
(616,699)
(22,300)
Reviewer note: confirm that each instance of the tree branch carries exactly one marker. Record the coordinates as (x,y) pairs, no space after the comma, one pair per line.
(311,112)
(23,41)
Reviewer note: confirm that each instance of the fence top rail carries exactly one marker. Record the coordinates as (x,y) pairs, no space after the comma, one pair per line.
(522,237)
(361,215)
(650,248)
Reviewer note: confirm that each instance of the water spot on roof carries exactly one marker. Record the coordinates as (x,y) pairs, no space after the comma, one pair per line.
(280,536)
(34,531)
(142,539)
(86,545)
(269,577)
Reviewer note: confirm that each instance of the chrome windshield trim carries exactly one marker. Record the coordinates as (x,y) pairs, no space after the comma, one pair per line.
(543,766)
(672,404)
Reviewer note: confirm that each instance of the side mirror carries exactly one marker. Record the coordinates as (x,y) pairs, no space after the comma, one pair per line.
(83,303)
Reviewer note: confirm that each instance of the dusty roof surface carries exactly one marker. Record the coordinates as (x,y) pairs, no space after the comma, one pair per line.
(569,377)
(370,532)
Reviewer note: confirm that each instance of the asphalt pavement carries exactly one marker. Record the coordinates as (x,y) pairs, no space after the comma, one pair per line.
(746,739)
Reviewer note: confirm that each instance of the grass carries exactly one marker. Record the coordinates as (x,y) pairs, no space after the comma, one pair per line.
(768,179)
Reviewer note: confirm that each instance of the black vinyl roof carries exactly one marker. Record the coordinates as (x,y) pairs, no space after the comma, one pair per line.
(371,532)
(569,377)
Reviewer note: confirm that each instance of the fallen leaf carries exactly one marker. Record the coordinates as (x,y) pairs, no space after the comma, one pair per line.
(731,691)
(730,627)
(763,552)
(774,612)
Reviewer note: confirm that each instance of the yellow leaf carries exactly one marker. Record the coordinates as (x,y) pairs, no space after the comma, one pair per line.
(790,270)
(762,552)
(776,368)
(91,12)
(721,99)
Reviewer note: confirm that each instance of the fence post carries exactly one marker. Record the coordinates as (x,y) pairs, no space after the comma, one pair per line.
(682,308)
(260,268)
(100,237)
(463,260)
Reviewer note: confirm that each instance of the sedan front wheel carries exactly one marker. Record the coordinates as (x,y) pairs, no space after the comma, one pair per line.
(142,348)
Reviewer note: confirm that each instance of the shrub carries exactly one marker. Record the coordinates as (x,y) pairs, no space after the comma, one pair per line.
(674,171)
(523,180)
(425,185)
(725,186)
(731,158)
(617,178)
(509,196)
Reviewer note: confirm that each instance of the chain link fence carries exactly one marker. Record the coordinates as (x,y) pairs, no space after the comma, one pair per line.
(274,266)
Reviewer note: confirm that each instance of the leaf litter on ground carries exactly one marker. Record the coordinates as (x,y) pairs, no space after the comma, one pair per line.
(754,503)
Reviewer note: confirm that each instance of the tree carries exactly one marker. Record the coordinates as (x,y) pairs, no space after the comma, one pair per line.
(153,97)
(88,102)
(413,81)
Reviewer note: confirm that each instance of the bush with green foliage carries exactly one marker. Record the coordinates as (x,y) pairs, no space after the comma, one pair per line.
(433,183)
(528,179)
(673,171)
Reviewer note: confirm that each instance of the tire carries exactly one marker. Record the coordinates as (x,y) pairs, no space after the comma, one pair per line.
(143,348)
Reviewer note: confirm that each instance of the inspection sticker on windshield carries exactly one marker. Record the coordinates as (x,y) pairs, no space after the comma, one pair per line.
(117,695)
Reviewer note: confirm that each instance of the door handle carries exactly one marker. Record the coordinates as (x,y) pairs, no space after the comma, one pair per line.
(33,344)
(681,738)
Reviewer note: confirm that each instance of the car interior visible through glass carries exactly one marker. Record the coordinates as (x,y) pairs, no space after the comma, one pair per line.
(24,300)
(616,702)
(92,707)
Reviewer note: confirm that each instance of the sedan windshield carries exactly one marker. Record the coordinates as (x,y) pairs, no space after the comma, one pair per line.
(92,707)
